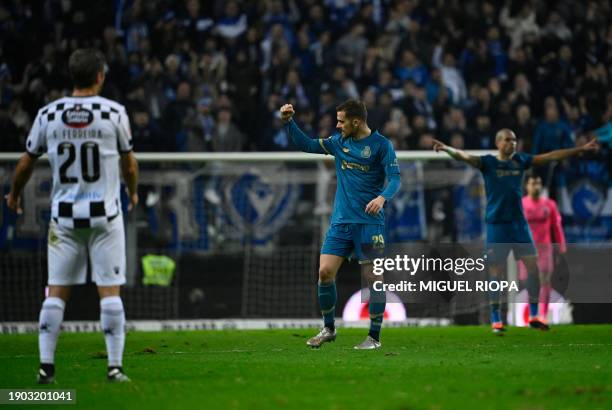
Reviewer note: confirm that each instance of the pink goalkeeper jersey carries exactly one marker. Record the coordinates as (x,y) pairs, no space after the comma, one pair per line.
(544,221)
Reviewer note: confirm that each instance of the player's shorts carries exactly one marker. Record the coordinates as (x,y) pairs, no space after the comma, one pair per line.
(505,237)
(68,252)
(367,242)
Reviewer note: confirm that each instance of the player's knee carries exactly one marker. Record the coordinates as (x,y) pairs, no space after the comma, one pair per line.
(545,278)
(62,292)
(531,265)
(367,272)
(326,274)
(494,271)
(109,291)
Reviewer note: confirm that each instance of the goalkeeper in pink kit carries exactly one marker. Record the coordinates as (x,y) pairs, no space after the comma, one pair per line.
(544,222)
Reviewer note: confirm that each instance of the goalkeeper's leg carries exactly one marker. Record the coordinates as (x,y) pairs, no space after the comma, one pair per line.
(533,289)
(545,266)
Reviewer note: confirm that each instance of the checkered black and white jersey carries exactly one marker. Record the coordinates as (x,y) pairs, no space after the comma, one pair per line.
(83,137)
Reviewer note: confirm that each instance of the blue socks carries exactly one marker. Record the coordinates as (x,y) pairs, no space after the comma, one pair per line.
(327,301)
(495,315)
(378,300)
(533,290)
(494,299)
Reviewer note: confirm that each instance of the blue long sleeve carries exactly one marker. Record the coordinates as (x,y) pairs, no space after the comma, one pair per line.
(393,185)
(301,140)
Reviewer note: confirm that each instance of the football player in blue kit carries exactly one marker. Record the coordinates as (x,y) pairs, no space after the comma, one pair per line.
(364,160)
(507,228)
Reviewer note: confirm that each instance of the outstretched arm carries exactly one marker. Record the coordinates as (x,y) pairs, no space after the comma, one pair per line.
(562,154)
(457,154)
(23,172)
(301,140)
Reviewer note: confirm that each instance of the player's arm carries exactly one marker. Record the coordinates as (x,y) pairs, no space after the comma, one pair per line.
(23,172)
(35,147)
(557,227)
(129,165)
(392,174)
(129,169)
(561,154)
(301,140)
(457,154)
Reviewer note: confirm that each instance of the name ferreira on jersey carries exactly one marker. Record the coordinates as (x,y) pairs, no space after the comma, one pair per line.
(76,133)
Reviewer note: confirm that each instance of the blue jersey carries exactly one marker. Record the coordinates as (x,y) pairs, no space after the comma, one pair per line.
(503,186)
(361,168)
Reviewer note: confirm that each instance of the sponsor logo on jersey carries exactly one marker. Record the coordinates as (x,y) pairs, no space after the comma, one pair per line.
(352,165)
(366,152)
(77,117)
(507,173)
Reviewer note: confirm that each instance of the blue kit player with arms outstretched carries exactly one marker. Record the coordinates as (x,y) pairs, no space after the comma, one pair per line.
(364,159)
(507,228)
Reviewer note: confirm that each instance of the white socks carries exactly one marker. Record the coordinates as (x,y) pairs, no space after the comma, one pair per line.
(51,316)
(112,321)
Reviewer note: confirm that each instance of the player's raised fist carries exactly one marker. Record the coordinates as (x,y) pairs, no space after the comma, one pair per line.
(592,145)
(286,112)
(437,145)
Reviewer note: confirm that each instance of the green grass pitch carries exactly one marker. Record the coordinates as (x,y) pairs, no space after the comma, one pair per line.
(417,368)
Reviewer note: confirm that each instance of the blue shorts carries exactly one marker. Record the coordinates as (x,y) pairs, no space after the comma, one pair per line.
(366,241)
(505,237)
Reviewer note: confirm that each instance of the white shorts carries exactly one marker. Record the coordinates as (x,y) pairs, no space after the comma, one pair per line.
(67,254)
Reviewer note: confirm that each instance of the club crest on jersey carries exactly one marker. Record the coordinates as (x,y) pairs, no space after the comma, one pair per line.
(77,117)
(53,238)
(345,150)
(366,152)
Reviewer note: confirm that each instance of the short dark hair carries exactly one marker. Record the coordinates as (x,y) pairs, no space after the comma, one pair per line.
(84,65)
(531,174)
(354,109)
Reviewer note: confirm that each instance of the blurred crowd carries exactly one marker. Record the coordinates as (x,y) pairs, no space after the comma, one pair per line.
(210,75)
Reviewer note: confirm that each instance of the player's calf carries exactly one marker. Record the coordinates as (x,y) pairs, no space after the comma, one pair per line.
(112,321)
(51,317)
